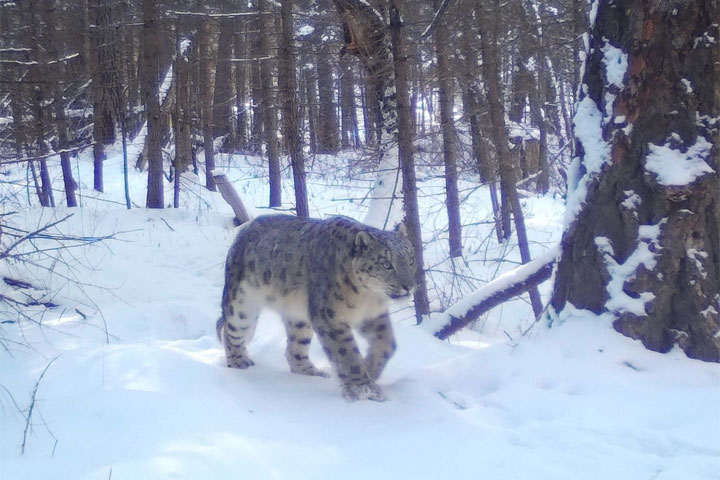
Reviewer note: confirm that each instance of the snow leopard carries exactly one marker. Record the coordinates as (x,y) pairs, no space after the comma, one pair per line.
(325,277)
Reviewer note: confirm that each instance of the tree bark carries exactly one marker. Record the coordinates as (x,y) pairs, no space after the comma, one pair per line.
(641,241)
(445,94)
(52,50)
(288,84)
(311,99)
(269,109)
(327,132)
(223,94)
(182,122)
(407,159)
(105,85)
(241,82)
(208,62)
(508,179)
(150,72)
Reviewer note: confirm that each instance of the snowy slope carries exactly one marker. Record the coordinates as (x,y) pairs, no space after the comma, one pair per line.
(138,388)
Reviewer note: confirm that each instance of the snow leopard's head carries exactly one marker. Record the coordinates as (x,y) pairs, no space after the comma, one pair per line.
(384,261)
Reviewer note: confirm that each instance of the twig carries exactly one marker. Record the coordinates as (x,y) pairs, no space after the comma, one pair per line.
(28,419)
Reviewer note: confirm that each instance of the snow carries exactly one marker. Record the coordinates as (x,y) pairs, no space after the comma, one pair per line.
(588,122)
(616,63)
(138,388)
(632,201)
(622,272)
(306,30)
(687,84)
(386,199)
(165,85)
(671,166)
(593,12)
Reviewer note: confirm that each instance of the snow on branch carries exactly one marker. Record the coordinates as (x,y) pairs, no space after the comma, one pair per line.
(506,286)
(34,62)
(217,15)
(436,19)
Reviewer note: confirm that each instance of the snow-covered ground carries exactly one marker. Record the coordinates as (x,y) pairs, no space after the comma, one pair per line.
(134,383)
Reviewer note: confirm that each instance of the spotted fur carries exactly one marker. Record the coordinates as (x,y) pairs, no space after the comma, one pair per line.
(323,276)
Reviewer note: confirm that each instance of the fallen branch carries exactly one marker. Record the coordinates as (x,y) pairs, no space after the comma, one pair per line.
(503,288)
(231,196)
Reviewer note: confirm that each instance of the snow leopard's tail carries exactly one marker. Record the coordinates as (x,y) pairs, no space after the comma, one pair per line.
(219,327)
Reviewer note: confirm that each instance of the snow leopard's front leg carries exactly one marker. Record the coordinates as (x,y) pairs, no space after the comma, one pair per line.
(378,332)
(339,345)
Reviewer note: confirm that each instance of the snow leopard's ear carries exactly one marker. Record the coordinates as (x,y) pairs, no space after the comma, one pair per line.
(401,229)
(362,242)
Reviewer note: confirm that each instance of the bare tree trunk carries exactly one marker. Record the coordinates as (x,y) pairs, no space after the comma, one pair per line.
(642,241)
(311,98)
(445,94)
(580,26)
(52,53)
(47,198)
(182,123)
(530,46)
(105,84)
(241,84)
(150,73)
(327,132)
(269,110)
(370,110)
(256,127)
(207,73)
(223,95)
(488,31)
(347,102)
(288,85)
(407,159)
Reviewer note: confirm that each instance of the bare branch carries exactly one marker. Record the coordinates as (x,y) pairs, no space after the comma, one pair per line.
(28,418)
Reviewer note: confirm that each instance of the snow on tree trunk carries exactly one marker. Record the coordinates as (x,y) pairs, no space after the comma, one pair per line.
(641,230)
(367,37)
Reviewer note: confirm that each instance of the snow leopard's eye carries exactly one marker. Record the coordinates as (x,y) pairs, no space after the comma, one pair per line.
(387,265)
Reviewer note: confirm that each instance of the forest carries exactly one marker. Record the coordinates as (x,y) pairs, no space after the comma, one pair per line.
(555,164)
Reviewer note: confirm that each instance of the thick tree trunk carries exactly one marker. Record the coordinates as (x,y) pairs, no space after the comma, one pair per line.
(641,239)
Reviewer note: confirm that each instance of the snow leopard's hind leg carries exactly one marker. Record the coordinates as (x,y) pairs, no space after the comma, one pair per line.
(299,336)
(238,322)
